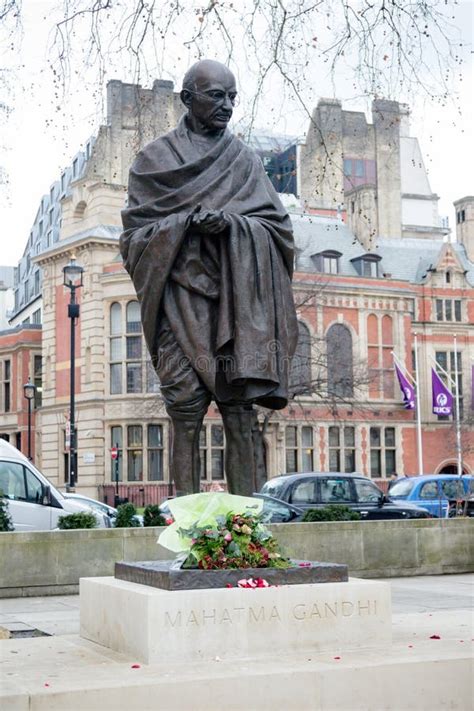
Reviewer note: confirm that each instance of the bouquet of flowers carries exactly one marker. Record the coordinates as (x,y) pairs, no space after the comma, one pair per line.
(236,540)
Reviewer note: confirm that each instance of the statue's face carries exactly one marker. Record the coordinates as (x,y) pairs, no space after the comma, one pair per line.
(211,103)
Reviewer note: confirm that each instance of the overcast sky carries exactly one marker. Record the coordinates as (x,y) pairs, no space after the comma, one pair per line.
(43,132)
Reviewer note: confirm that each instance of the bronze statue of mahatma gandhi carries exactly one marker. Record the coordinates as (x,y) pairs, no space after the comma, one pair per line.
(209,248)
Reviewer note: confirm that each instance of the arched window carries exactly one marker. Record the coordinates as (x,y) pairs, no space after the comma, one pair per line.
(80,209)
(339,361)
(300,369)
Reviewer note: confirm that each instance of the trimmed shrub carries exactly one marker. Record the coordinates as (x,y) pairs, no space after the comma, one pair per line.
(84,519)
(5,518)
(152,516)
(126,517)
(333,512)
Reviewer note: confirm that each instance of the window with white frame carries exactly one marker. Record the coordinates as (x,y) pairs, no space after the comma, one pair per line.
(133,348)
(134,453)
(341,446)
(327,262)
(448,310)
(5,376)
(382,452)
(380,360)
(211,450)
(299,448)
(131,370)
(155,453)
(140,452)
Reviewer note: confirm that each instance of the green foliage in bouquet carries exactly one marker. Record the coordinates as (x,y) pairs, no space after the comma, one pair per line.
(235,541)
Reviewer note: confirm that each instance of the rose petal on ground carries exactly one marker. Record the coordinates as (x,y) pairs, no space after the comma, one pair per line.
(336,657)
(435,636)
(135,666)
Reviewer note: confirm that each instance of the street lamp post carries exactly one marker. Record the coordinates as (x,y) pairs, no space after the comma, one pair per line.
(29,390)
(73,280)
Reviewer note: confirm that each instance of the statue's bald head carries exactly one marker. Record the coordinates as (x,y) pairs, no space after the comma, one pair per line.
(206,70)
(209,94)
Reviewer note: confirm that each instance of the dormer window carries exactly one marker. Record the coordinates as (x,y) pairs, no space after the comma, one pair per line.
(367,265)
(327,262)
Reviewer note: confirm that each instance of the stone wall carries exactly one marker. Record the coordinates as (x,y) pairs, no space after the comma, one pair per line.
(52,562)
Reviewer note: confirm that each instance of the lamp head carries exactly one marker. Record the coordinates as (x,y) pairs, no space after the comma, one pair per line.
(73,274)
(29,390)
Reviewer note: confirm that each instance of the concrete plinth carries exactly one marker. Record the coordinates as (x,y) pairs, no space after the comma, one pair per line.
(175,626)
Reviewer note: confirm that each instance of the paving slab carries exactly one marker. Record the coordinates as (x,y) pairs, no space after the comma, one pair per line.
(65,674)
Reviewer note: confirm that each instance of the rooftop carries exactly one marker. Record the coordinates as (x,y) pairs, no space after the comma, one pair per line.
(406,259)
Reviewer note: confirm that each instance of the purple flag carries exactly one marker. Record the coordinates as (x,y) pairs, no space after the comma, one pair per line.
(442,397)
(408,391)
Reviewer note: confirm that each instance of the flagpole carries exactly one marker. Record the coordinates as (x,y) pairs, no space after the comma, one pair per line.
(418,411)
(405,372)
(458,414)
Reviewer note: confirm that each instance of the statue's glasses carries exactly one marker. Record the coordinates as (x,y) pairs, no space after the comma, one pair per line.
(217,96)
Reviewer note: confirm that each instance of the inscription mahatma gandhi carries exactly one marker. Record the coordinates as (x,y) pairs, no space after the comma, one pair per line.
(260,614)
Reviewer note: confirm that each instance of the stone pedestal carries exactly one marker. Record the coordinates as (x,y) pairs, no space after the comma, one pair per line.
(153,625)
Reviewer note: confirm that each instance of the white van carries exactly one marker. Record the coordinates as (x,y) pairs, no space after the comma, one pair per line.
(33,503)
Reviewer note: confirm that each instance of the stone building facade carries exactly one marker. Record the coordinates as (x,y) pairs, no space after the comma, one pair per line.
(372,173)
(357,299)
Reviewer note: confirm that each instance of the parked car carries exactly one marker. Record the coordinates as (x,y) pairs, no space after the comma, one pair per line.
(98,506)
(316,490)
(277,511)
(463,505)
(34,504)
(432,491)
(274,510)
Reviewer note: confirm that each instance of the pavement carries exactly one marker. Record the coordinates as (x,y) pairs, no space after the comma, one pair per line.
(427,667)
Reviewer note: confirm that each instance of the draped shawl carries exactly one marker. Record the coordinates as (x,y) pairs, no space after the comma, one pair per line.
(227,297)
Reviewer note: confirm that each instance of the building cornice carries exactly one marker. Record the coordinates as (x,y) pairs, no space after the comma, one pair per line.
(364,289)
(77,243)
(420,196)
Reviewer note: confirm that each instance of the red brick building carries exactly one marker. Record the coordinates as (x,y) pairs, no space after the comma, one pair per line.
(20,360)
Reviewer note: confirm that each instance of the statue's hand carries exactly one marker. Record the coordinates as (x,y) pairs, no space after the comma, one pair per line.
(210,221)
